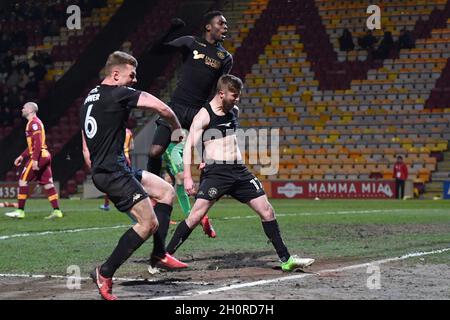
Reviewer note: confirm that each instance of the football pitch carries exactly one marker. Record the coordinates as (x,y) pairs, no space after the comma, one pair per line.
(364,249)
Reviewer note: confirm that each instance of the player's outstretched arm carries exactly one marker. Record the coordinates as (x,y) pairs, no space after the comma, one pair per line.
(150,102)
(162,44)
(86,154)
(200,122)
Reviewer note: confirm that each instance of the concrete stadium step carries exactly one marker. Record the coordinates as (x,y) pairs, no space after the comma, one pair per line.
(435,186)
(441,176)
(431,195)
(444,166)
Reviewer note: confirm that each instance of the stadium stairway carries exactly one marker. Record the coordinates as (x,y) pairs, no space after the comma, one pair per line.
(442,173)
(377,128)
(331,73)
(440,94)
(387,127)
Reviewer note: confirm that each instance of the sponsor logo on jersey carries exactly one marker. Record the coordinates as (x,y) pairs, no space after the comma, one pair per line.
(212,62)
(198,55)
(228,124)
(208,61)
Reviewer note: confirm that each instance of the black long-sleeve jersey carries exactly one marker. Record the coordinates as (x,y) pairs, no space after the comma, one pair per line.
(203,64)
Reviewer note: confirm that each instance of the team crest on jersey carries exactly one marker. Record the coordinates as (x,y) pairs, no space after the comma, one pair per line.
(221,55)
(212,192)
(34,126)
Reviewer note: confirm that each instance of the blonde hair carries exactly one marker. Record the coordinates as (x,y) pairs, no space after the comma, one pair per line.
(230,82)
(118,58)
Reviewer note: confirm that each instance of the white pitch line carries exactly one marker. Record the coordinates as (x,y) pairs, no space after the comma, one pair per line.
(70,210)
(72,278)
(295,277)
(20,235)
(44,233)
(312,214)
(30,234)
(229,287)
(325,213)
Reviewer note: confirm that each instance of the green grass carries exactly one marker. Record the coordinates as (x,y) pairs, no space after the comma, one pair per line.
(308,227)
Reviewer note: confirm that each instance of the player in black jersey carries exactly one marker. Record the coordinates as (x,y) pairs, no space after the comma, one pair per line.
(204,61)
(103,119)
(215,125)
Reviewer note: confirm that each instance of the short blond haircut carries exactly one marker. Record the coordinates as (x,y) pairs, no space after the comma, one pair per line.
(230,82)
(119,58)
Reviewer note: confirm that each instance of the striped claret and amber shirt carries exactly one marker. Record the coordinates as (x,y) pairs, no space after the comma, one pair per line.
(35,134)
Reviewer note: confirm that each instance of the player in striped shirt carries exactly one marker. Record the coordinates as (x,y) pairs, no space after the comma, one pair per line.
(38,165)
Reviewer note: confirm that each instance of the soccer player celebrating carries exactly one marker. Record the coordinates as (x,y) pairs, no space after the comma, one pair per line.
(38,165)
(204,61)
(224,172)
(103,117)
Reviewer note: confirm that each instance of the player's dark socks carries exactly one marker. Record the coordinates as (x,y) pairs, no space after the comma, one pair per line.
(182,232)
(163,212)
(128,243)
(272,232)
(154,165)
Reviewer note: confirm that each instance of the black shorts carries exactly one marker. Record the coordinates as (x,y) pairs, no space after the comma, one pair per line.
(123,187)
(235,180)
(163,132)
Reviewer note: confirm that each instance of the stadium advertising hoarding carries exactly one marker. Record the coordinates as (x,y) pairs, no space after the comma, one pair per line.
(446,190)
(10,190)
(380,189)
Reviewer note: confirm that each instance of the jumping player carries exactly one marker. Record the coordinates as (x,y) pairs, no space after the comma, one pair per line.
(204,61)
(103,117)
(37,167)
(224,172)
